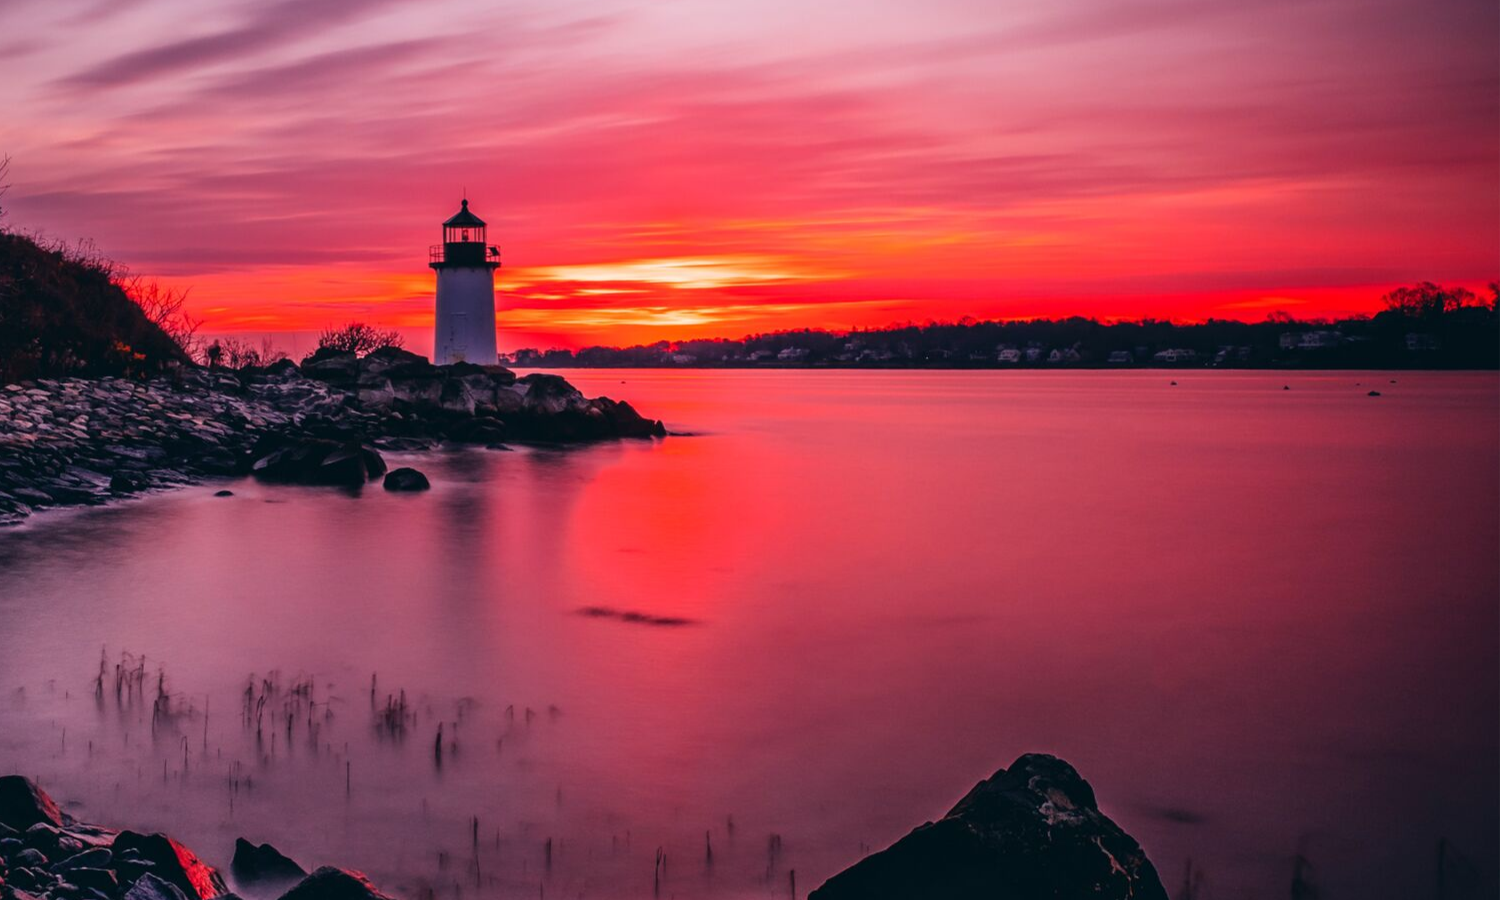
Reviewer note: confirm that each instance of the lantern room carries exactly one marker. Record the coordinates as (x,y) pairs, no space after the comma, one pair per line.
(464,227)
(464,242)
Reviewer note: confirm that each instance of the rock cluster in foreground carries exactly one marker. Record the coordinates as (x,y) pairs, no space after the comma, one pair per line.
(83,441)
(46,855)
(1028,832)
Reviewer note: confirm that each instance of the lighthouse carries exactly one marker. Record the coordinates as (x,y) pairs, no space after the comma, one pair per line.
(465,266)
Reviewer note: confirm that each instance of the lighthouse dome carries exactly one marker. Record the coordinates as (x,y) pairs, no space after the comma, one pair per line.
(464,219)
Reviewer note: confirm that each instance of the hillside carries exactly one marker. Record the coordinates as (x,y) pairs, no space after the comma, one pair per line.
(64,315)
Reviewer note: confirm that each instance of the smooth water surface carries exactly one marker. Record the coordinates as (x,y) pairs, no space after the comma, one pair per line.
(1262,622)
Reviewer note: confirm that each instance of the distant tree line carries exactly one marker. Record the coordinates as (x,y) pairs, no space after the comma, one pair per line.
(1422,326)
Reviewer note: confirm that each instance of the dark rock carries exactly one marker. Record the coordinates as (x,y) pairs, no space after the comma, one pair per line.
(393,362)
(549,394)
(102,880)
(350,464)
(173,863)
(24,878)
(150,887)
(281,368)
(1029,832)
(1373,394)
(626,422)
(324,355)
(329,883)
(406,479)
(500,376)
(35,498)
(30,857)
(130,869)
(319,461)
(223,493)
(455,397)
(419,390)
(127,483)
(262,864)
(70,495)
(23,804)
(403,444)
(92,858)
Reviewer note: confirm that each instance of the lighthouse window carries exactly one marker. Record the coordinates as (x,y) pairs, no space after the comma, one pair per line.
(466,235)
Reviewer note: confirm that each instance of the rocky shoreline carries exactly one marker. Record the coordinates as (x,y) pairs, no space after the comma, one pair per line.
(46,854)
(76,441)
(1028,832)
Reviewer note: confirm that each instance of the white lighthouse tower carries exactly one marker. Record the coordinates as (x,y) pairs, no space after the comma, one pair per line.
(465,266)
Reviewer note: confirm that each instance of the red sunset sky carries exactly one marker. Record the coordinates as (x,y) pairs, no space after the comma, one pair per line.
(682,168)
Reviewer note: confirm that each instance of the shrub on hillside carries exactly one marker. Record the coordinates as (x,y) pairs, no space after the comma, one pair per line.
(64,312)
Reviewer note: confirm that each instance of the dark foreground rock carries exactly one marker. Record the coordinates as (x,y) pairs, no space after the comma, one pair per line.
(76,441)
(45,854)
(262,864)
(149,887)
(1029,832)
(23,804)
(172,862)
(315,461)
(329,883)
(406,479)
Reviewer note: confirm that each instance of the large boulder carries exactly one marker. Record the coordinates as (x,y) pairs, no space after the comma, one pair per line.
(92,858)
(329,883)
(332,366)
(549,395)
(404,479)
(316,461)
(263,864)
(417,390)
(23,804)
(393,362)
(1029,832)
(173,863)
(456,398)
(625,421)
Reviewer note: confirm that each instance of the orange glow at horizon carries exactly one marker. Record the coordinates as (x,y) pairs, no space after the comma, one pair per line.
(671,171)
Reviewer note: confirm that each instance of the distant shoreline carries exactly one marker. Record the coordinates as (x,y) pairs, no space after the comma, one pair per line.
(982,367)
(1423,328)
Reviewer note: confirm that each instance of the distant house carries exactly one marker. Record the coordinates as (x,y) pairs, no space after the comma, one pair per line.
(1033,354)
(1319,340)
(1310,340)
(792,354)
(1418,342)
(1063,356)
(1175,356)
(684,359)
(1121,356)
(760,355)
(1010,355)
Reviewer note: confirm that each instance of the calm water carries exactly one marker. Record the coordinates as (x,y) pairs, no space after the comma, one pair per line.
(1261,622)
